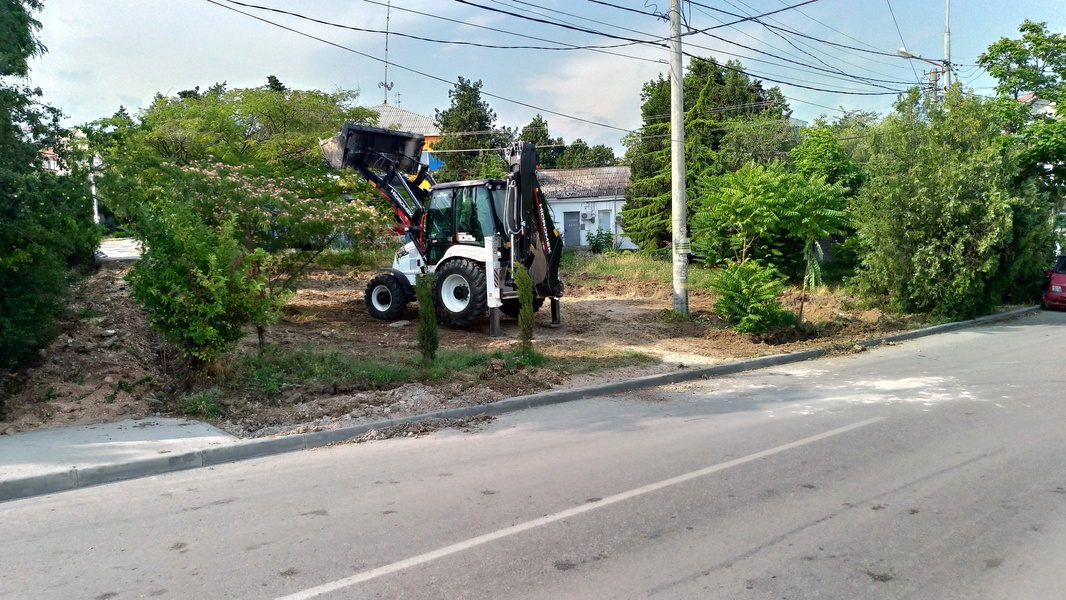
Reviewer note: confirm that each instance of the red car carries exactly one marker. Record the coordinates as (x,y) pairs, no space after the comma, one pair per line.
(1055,288)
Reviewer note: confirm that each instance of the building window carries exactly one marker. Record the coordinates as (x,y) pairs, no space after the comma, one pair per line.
(603,220)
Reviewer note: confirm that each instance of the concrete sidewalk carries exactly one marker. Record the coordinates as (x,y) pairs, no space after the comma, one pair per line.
(118,249)
(66,458)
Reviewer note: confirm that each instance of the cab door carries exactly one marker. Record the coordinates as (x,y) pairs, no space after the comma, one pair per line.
(439,228)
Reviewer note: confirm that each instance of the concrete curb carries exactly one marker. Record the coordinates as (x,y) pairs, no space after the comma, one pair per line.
(24,487)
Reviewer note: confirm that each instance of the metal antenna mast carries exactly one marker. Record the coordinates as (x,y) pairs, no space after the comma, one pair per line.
(947,42)
(385,84)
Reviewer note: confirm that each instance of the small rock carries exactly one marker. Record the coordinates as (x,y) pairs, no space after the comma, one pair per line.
(42,353)
(107,333)
(399,324)
(327,334)
(109,379)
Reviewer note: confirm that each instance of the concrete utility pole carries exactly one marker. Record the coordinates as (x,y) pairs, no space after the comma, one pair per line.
(677,163)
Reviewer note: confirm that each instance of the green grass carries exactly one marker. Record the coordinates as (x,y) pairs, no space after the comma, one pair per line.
(580,267)
(596,359)
(275,368)
(86,313)
(203,404)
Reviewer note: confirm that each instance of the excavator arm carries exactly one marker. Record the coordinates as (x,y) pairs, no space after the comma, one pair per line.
(539,246)
(390,161)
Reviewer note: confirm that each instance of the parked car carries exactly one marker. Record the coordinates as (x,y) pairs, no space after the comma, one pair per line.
(1055,285)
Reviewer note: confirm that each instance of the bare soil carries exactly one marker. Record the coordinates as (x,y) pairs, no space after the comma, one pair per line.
(106,365)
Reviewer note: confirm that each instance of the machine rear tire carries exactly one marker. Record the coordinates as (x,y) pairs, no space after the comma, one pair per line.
(511,307)
(385,297)
(459,293)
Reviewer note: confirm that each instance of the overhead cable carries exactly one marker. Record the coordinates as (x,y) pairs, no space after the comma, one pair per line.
(415,71)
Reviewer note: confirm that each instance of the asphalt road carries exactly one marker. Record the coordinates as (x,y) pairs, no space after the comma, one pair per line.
(930,469)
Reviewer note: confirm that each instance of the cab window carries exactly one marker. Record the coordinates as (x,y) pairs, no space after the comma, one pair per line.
(438,217)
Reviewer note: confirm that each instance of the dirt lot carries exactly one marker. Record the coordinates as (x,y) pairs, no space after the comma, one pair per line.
(106,365)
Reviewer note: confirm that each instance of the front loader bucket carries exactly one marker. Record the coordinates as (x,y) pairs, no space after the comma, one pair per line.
(381,149)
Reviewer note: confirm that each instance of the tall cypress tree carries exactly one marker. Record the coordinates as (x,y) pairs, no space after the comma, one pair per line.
(715,96)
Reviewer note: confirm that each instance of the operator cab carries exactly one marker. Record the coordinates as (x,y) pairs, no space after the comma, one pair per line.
(462,212)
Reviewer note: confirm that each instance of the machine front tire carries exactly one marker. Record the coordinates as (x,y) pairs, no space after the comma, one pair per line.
(385,297)
(459,293)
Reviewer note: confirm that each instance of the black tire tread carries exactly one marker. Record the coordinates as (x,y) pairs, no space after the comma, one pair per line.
(399,303)
(475,278)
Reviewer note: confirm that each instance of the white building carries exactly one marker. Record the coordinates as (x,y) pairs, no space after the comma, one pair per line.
(586,200)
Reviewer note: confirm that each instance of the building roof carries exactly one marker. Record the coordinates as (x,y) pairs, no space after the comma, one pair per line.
(394,117)
(1039,106)
(584,183)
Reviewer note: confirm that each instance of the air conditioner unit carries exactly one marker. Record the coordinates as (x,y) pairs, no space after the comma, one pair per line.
(618,218)
(584,216)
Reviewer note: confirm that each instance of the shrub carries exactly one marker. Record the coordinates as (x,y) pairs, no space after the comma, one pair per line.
(428,336)
(747,297)
(600,241)
(198,284)
(524,284)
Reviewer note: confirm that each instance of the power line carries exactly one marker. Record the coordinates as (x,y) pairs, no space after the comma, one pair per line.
(658,42)
(576,17)
(781,31)
(432,40)
(896,23)
(752,18)
(415,71)
(625,8)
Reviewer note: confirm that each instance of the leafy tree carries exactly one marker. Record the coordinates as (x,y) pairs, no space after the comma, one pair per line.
(820,153)
(943,211)
(468,130)
(198,283)
(246,163)
(548,148)
(45,217)
(817,212)
(761,139)
(580,155)
(768,214)
(1033,64)
(741,215)
(715,97)
(1036,65)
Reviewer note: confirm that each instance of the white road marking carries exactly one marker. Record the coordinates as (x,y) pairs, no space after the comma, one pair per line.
(565,514)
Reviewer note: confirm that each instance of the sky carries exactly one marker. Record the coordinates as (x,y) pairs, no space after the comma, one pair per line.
(825,55)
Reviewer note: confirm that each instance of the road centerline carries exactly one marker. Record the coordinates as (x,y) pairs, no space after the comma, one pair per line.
(564,514)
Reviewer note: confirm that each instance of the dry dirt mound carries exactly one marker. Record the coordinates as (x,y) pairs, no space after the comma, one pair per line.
(106,365)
